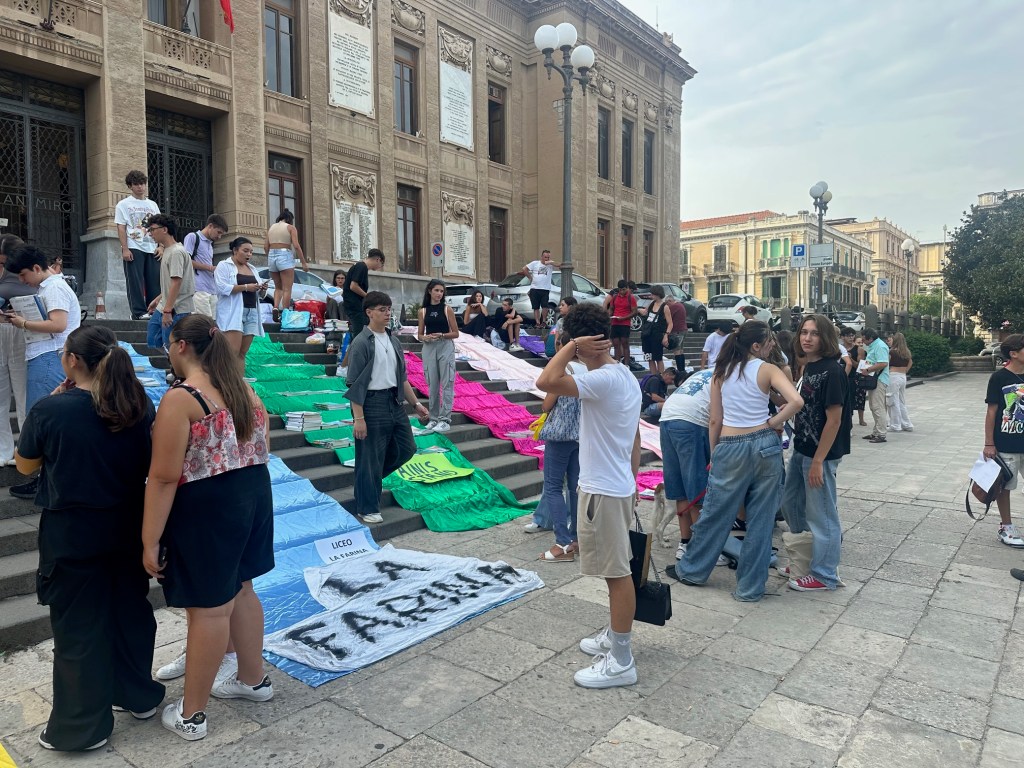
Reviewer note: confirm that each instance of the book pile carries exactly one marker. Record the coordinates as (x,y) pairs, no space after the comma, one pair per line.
(300,421)
(331,406)
(336,442)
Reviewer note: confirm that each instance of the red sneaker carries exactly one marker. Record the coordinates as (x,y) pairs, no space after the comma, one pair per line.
(807,584)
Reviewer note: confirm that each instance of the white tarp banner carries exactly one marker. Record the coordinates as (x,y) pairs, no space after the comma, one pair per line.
(384,601)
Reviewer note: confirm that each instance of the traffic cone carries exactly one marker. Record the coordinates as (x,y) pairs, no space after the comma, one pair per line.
(101,310)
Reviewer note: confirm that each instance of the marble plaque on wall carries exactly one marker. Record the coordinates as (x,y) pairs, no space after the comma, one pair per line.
(458,216)
(456,79)
(351,63)
(355,213)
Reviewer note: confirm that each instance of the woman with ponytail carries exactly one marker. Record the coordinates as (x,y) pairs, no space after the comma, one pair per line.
(208,529)
(91,438)
(746,462)
(238,311)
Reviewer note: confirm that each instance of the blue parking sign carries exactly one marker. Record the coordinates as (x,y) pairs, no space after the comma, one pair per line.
(798,259)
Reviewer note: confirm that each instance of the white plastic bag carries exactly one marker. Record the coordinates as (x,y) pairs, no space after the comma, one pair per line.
(496,339)
(315,338)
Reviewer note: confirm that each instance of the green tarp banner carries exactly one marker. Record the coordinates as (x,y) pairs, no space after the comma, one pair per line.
(457,504)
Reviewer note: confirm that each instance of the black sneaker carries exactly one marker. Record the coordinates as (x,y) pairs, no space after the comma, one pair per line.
(739,525)
(47,745)
(25,490)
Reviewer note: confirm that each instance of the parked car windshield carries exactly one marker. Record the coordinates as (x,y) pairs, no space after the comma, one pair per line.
(725,301)
(514,281)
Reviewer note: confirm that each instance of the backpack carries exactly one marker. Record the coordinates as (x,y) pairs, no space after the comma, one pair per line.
(195,248)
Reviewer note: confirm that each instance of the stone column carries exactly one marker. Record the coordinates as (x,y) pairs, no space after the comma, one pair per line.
(115,142)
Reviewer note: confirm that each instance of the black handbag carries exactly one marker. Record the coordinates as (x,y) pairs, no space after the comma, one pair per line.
(865,381)
(653,598)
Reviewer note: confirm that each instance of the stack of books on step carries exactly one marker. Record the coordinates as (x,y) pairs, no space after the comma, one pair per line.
(331,406)
(335,442)
(300,421)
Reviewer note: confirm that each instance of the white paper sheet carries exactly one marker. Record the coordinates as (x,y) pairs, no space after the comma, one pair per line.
(984,472)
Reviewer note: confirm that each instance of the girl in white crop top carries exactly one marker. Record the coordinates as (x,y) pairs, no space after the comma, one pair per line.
(739,389)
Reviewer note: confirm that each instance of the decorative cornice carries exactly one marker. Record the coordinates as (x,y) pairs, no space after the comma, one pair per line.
(360,10)
(499,62)
(629,100)
(458,210)
(455,181)
(282,133)
(184,84)
(94,58)
(408,18)
(353,187)
(335,148)
(455,49)
(410,171)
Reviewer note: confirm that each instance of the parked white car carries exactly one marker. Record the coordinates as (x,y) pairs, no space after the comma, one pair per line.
(307,286)
(853,320)
(457,296)
(727,309)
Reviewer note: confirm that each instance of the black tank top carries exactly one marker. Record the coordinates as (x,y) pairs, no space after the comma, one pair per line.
(248,297)
(435,319)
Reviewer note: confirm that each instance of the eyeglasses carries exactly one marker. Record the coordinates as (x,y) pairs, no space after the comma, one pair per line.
(155,226)
(386,310)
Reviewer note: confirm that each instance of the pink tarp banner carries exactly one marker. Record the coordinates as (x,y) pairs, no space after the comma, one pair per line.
(484,407)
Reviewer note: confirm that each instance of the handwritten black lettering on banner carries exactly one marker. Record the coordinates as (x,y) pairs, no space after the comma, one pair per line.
(382,602)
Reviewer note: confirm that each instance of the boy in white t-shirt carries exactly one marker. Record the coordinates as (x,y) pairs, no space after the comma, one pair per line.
(712,346)
(609,462)
(138,249)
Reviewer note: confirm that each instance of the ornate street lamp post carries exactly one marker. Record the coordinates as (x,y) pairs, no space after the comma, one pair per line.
(576,64)
(909,246)
(822,197)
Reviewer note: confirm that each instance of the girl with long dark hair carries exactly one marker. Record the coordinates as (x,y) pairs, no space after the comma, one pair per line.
(91,438)
(437,331)
(475,320)
(208,529)
(746,462)
(238,312)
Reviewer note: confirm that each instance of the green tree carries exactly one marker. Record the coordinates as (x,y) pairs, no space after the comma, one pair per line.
(985,269)
(927,303)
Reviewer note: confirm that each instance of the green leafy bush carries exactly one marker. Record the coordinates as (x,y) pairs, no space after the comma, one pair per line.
(967,345)
(931,353)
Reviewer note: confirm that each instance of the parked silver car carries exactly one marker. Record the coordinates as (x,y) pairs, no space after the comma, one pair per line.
(305,283)
(517,288)
(696,312)
(853,320)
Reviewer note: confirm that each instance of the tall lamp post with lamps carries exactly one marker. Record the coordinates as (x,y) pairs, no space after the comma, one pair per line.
(908,247)
(575,67)
(822,197)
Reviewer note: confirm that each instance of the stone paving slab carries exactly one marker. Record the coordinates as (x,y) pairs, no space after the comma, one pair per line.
(918,662)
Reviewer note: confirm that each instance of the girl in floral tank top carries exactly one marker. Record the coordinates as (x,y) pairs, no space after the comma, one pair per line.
(208,528)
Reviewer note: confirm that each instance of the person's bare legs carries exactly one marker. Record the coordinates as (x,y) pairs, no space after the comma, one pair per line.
(622,602)
(244,350)
(287,281)
(234,338)
(275,278)
(247,635)
(206,644)
(686,518)
(1003,505)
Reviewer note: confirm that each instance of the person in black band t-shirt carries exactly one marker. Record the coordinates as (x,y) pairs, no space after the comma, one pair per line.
(92,440)
(357,285)
(821,438)
(1004,428)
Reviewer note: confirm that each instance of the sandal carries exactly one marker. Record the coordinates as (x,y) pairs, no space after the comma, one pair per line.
(558,554)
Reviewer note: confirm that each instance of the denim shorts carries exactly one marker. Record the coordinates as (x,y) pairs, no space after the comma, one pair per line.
(686,453)
(251,325)
(280,259)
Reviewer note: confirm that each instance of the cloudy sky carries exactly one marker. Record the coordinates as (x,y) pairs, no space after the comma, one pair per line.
(907,109)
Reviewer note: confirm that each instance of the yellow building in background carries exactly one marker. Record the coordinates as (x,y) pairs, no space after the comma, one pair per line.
(885,240)
(751,253)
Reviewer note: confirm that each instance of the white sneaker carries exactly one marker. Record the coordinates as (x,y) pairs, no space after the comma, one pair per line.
(373,517)
(680,551)
(1010,536)
(722,560)
(605,672)
(596,645)
(228,669)
(192,729)
(137,715)
(342,372)
(431,425)
(233,688)
(442,427)
(534,528)
(173,670)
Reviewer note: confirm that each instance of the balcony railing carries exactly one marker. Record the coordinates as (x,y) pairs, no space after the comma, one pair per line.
(781,262)
(69,17)
(687,269)
(720,268)
(187,53)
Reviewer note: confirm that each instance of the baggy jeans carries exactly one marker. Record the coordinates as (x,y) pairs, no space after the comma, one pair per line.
(745,469)
(561,462)
(142,280)
(387,446)
(815,509)
(12,382)
(439,370)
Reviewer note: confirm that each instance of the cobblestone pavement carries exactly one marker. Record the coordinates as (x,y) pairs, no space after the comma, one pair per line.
(919,661)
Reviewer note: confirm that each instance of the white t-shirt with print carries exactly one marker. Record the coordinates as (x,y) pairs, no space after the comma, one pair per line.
(540,274)
(691,400)
(609,418)
(131,212)
(55,293)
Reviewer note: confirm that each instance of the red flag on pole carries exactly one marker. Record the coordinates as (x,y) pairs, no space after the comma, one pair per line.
(228,18)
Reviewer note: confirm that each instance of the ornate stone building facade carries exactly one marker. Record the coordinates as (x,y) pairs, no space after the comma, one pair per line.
(394,123)
(886,240)
(751,253)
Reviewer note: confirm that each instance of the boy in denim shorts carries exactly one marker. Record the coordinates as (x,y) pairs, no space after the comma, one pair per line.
(609,462)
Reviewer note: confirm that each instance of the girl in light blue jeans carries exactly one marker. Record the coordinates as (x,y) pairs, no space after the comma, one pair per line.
(746,462)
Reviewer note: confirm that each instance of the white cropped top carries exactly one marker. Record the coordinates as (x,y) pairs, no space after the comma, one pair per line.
(743,402)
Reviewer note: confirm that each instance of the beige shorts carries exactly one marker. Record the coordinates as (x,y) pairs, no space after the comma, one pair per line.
(1015,461)
(602,523)
(205,303)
